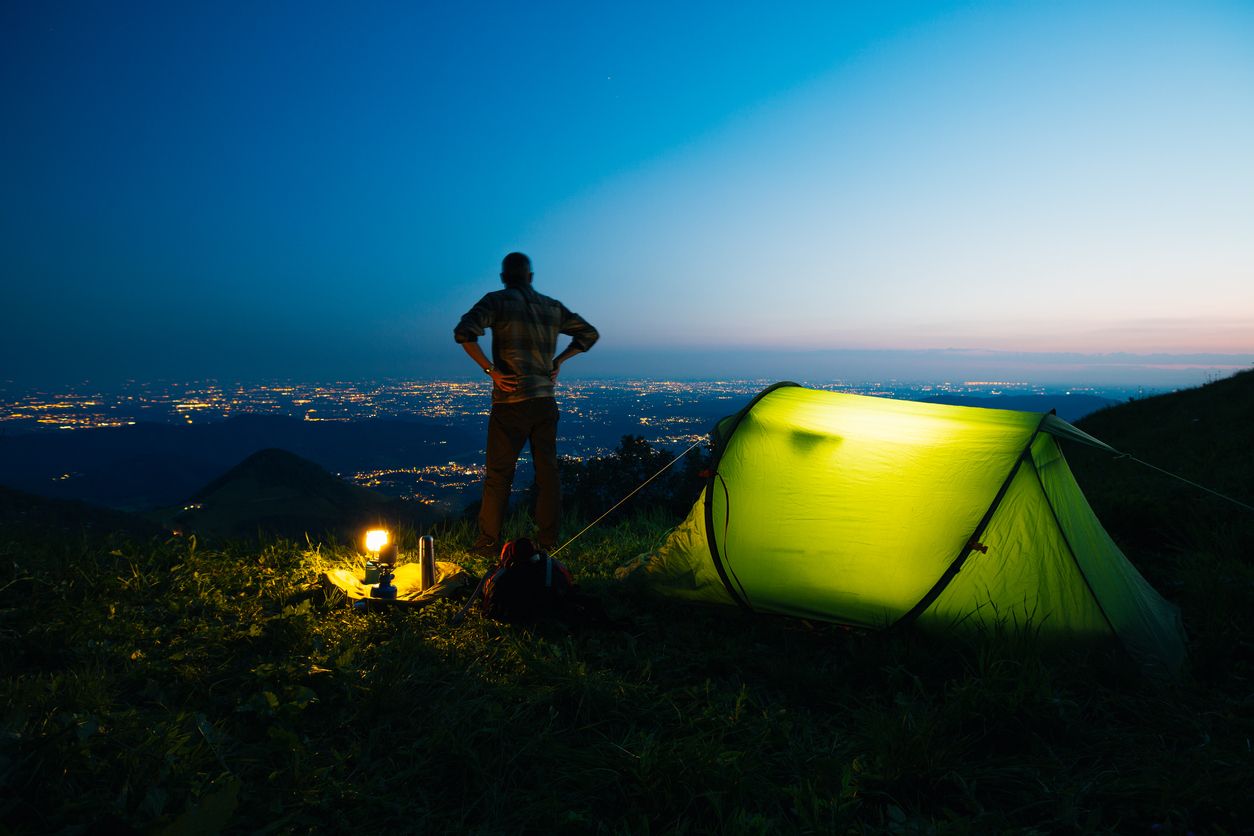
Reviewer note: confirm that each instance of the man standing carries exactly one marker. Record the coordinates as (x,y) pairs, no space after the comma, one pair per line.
(525,326)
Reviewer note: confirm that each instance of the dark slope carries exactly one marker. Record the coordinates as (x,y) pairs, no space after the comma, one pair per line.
(153,465)
(1209,429)
(276,492)
(1197,549)
(1204,434)
(25,515)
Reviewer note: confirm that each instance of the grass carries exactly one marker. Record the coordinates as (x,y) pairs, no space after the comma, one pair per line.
(162,686)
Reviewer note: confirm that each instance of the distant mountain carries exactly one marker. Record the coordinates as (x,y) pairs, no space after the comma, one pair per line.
(1068,407)
(148,466)
(276,492)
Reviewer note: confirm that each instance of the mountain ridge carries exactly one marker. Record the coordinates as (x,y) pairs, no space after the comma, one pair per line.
(277,492)
(149,466)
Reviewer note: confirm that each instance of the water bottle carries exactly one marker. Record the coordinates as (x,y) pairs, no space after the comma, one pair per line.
(426,562)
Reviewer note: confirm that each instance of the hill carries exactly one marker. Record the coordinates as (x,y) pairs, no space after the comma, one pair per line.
(1205,435)
(278,493)
(1193,546)
(25,515)
(148,466)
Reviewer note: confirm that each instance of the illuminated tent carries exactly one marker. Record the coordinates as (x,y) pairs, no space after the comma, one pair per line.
(876,512)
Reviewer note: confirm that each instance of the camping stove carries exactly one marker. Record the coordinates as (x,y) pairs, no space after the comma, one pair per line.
(386,561)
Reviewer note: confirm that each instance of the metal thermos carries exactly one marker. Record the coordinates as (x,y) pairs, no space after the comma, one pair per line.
(426,562)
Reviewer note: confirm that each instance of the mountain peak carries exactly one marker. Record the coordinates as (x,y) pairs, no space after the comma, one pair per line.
(279,492)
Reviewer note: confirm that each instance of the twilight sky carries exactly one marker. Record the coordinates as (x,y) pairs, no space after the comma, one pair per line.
(806,190)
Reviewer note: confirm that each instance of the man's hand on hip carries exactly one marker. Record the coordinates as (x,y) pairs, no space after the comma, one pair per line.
(504,382)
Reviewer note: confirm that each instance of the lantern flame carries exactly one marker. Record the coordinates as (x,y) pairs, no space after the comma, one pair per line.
(376,539)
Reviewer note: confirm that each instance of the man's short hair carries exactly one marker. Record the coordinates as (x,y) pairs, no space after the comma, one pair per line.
(516,269)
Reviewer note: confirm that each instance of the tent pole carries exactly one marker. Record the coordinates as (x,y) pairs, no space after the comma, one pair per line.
(950,573)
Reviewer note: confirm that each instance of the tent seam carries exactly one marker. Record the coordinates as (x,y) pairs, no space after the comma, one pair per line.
(1071,551)
(719,450)
(951,571)
(726,524)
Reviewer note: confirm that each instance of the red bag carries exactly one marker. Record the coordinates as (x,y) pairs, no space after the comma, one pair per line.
(526,584)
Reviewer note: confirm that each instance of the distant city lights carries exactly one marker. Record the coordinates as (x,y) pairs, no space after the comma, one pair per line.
(595,415)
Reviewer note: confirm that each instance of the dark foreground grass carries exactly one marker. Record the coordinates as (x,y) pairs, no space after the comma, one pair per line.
(165,687)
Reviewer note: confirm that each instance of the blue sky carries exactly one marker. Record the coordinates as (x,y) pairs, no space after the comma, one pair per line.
(300,190)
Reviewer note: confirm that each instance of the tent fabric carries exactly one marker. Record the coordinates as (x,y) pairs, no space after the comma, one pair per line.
(875,512)
(1059,428)
(1149,626)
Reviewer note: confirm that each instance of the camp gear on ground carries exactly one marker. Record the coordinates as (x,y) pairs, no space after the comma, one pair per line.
(450,579)
(460,615)
(426,562)
(875,512)
(386,556)
(525,585)
(384,588)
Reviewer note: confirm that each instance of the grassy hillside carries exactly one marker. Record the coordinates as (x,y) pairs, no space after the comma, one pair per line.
(26,517)
(1204,434)
(151,684)
(1196,548)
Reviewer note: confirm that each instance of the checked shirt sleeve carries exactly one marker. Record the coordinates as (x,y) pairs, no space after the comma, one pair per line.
(476,321)
(582,335)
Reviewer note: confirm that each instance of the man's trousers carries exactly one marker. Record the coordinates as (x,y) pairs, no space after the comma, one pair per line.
(510,426)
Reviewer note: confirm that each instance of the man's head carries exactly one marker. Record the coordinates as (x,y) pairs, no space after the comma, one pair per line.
(516,270)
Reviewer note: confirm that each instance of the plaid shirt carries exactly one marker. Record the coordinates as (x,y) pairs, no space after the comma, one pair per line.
(525,325)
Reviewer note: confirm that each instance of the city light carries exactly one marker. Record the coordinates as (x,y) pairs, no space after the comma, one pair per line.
(440,466)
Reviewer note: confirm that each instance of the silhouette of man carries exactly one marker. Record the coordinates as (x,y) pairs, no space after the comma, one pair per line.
(525,326)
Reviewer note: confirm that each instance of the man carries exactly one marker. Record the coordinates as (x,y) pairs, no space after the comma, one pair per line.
(525,326)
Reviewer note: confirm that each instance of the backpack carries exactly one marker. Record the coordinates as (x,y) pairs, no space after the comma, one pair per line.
(526,584)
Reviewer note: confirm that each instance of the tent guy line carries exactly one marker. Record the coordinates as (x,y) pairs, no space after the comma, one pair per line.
(637,490)
(1056,426)
(1236,502)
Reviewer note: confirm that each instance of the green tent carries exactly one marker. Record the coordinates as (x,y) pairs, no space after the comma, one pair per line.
(876,512)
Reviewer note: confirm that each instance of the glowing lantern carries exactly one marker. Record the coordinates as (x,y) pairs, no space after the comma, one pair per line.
(384,560)
(376,539)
